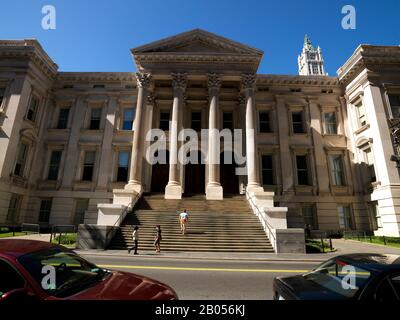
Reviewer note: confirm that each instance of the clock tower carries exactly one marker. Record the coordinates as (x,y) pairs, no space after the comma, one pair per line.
(310,60)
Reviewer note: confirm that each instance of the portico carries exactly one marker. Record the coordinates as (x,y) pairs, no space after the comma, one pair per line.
(181,75)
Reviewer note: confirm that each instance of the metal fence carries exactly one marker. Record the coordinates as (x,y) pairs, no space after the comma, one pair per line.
(60,230)
(30,228)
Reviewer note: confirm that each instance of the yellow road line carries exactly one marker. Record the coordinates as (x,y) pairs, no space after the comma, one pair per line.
(202,269)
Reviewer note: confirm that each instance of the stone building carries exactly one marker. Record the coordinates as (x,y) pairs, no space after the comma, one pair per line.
(72,140)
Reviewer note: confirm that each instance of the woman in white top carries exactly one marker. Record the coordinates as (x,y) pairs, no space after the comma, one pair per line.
(183,219)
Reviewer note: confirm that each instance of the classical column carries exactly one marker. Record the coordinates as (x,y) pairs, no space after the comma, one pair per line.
(214,189)
(106,146)
(174,189)
(135,174)
(253,176)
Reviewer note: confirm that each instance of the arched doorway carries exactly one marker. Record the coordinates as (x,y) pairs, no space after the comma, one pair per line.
(228,178)
(160,174)
(195,175)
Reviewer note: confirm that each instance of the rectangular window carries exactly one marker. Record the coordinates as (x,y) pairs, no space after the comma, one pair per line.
(345,218)
(369,160)
(337,172)
(196,121)
(123,164)
(315,68)
(63,118)
(21,159)
(361,115)
(227,120)
(32,109)
(264,121)
(95,117)
(267,170)
(309,218)
(80,210)
(302,170)
(394,101)
(164,121)
(330,123)
(297,122)
(45,210)
(54,165)
(376,221)
(13,208)
(88,165)
(2,93)
(129,117)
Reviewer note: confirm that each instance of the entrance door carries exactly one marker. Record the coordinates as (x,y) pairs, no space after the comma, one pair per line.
(160,175)
(229,179)
(195,176)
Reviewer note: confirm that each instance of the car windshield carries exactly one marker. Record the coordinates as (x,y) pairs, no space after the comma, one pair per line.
(61,273)
(340,277)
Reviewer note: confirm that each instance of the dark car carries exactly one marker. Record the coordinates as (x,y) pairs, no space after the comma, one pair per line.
(354,276)
(32,270)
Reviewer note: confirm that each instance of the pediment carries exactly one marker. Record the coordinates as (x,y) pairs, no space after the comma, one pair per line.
(194,46)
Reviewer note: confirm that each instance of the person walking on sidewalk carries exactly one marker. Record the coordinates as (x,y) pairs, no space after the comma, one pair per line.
(135,238)
(157,241)
(183,219)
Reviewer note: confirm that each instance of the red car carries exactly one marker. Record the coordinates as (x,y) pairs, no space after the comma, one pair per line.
(32,270)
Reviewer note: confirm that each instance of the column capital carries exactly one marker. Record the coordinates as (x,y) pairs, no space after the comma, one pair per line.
(143,79)
(248,80)
(179,80)
(213,81)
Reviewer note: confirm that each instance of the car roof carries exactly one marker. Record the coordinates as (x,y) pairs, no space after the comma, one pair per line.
(372,261)
(19,247)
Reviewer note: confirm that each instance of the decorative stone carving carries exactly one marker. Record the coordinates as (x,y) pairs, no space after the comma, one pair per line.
(150,98)
(213,81)
(248,80)
(179,80)
(143,79)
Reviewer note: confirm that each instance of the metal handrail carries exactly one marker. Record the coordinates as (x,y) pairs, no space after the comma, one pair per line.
(261,215)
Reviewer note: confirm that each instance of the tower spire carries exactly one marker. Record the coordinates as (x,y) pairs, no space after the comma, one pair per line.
(310,60)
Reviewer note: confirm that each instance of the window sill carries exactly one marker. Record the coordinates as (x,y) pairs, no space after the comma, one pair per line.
(55,130)
(304,189)
(83,185)
(49,184)
(92,131)
(361,129)
(18,180)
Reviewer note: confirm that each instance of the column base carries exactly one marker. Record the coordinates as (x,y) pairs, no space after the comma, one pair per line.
(254,189)
(137,187)
(214,192)
(173,192)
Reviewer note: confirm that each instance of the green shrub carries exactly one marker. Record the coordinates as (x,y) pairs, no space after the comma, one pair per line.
(66,239)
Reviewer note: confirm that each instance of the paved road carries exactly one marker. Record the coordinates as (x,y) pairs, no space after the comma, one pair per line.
(208,279)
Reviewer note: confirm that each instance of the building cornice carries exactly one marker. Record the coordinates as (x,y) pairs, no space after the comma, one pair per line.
(269,79)
(365,57)
(29,49)
(97,77)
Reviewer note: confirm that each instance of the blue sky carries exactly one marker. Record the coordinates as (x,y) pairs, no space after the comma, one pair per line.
(96,35)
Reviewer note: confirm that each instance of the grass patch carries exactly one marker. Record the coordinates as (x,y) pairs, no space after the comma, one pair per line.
(386,241)
(10,234)
(67,239)
(315,246)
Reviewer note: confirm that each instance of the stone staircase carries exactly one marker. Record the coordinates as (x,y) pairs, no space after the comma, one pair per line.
(214,226)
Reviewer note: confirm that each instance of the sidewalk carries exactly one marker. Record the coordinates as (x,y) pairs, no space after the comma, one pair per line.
(341,246)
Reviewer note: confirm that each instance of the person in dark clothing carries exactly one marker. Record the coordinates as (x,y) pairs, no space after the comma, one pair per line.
(158,238)
(135,238)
